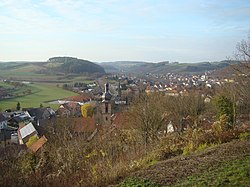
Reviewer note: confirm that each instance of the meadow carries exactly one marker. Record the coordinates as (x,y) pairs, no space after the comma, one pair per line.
(41,94)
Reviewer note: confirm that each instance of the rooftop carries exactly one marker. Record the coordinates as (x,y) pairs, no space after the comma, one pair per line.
(27,130)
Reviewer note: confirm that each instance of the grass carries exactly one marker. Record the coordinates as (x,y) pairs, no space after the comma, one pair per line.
(134,182)
(234,173)
(41,94)
(4,85)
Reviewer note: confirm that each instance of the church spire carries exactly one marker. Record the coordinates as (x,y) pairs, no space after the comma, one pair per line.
(119,89)
(106,95)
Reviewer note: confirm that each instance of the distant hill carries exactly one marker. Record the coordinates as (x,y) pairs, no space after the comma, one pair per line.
(61,66)
(73,65)
(166,67)
(70,65)
(120,65)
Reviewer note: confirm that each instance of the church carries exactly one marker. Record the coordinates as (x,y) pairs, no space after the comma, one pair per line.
(106,106)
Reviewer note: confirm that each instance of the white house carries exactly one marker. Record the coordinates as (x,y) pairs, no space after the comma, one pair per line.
(24,133)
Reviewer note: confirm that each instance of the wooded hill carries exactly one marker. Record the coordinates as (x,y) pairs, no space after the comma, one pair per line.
(165,67)
(74,65)
(54,66)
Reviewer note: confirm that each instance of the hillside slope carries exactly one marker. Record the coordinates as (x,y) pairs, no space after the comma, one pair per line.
(178,170)
(121,65)
(55,65)
(166,67)
(74,65)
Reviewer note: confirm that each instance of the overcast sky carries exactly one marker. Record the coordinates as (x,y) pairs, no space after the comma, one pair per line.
(110,30)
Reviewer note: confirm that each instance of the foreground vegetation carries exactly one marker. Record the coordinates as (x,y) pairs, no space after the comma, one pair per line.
(68,159)
(235,173)
(218,166)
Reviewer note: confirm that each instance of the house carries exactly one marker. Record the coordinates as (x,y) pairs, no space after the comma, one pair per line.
(133,90)
(3,121)
(119,121)
(172,93)
(83,98)
(5,132)
(14,138)
(86,126)
(25,132)
(38,144)
(62,111)
(170,127)
(40,113)
(70,109)
(18,119)
(5,138)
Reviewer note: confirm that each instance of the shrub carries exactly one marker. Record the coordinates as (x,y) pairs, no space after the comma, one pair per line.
(225,108)
(27,163)
(32,140)
(244,136)
(87,110)
(188,149)
(204,146)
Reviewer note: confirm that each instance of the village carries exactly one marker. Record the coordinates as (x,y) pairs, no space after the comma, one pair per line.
(99,105)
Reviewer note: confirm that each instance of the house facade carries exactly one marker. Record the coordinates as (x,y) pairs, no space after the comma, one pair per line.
(3,122)
(24,133)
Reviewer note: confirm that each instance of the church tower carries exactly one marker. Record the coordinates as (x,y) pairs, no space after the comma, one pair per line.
(106,109)
(119,90)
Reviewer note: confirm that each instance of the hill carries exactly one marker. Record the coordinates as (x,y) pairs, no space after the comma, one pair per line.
(121,65)
(73,65)
(166,67)
(224,165)
(54,66)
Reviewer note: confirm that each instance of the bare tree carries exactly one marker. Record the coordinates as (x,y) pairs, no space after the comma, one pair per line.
(184,109)
(243,50)
(145,114)
(243,73)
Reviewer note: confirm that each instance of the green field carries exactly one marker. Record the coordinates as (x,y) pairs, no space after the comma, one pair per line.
(234,173)
(44,88)
(41,94)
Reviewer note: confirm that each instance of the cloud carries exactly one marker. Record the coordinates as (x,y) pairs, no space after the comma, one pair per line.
(53,16)
(137,26)
(24,17)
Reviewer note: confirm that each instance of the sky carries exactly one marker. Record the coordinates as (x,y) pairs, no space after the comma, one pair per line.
(111,30)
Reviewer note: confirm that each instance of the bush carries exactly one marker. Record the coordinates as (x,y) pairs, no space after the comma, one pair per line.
(225,108)
(32,140)
(244,136)
(188,149)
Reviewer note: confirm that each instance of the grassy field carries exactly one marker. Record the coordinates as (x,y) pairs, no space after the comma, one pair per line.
(226,164)
(27,72)
(41,94)
(44,88)
(235,173)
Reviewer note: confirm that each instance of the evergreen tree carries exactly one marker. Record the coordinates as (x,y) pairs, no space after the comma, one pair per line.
(18,106)
(225,107)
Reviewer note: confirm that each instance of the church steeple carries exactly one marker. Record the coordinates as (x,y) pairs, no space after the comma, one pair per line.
(106,110)
(106,95)
(119,89)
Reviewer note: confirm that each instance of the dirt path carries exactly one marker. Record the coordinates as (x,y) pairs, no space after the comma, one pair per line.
(170,171)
